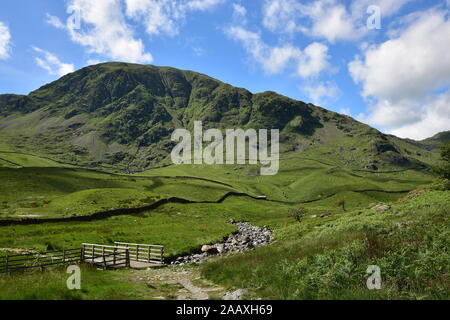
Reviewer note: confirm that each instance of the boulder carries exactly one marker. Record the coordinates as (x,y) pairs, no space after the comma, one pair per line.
(235,295)
(220,248)
(382,208)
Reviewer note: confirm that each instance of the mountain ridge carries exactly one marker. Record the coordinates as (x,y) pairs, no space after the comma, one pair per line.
(122,115)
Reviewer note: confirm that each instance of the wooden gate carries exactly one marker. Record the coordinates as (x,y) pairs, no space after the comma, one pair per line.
(143,252)
(106,257)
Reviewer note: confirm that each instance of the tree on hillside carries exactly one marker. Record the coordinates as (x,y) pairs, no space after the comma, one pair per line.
(298,213)
(444,168)
(341,203)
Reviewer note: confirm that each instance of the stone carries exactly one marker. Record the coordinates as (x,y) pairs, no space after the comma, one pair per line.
(220,248)
(382,208)
(206,248)
(246,238)
(235,295)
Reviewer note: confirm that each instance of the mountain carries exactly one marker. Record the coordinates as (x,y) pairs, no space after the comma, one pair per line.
(121,116)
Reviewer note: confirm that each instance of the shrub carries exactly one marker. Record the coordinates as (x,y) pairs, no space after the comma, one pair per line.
(298,213)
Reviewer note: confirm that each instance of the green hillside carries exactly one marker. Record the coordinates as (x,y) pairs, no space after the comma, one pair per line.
(120,116)
(89,155)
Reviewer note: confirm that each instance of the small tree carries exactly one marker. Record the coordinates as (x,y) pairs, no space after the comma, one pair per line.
(444,169)
(341,203)
(298,213)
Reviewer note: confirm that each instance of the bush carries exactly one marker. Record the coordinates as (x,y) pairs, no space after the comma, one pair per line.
(298,213)
(444,168)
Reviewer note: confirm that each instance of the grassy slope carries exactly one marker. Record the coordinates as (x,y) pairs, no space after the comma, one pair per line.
(65,192)
(319,259)
(181,228)
(184,228)
(51,285)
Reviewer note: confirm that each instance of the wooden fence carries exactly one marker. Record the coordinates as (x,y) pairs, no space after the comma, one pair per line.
(105,257)
(143,252)
(20,262)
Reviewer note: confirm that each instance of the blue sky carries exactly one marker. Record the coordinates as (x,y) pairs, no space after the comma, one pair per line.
(394,76)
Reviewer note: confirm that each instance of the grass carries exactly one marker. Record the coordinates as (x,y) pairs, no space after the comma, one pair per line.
(64,192)
(181,228)
(328,260)
(317,258)
(51,285)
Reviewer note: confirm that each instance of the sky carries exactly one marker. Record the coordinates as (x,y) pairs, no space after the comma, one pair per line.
(383,62)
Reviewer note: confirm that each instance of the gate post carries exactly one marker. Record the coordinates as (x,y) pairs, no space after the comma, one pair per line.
(127,258)
(82,254)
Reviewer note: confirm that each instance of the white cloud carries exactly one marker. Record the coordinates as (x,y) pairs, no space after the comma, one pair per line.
(164,16)
(322,92)
(435,118)
(388,7)
(159,16)
(401,75)
(54,21)
(345,111)
(240,13)
(274,59)
(314,60)
(103,30)
(281,15)
(91,62)
(202,4)
(332,20)
(5,39)
(52,64)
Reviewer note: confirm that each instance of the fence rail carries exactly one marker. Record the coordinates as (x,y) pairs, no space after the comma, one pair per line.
(104,256)
(20,262)
(149,253)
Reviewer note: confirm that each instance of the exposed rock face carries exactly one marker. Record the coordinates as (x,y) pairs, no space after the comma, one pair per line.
(247,238)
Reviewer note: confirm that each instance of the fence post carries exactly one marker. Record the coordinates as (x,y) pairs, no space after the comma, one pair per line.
(127,258)
(64,256)
(162,255)
(40,263)
(93,254)
(149,254)
(82,254)
(6,264)
(114,255)
(137,252)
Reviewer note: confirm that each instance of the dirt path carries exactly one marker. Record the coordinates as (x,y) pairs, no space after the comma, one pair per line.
(177,284)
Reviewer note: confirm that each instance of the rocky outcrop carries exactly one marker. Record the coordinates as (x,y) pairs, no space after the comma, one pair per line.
(246,238)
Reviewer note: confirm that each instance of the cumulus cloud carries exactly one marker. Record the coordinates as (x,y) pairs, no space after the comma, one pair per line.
(104,31)
(51,63)
(164,16)
(274,59)
(332,20)
(104,27)
(314,60)
(402,75)
(5,39)
(240,13)
(281,15)
(100,26)
(54,21)
(322,92)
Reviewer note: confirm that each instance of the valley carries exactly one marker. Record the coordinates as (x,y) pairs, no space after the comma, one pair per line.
(86,159)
